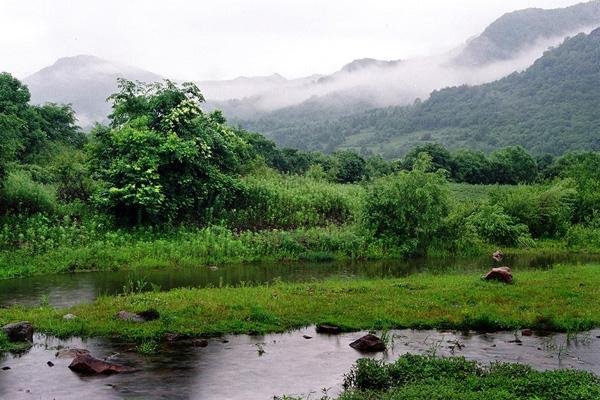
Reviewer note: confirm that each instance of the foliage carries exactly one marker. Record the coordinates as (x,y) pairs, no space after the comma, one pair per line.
(407,208)
(546,211)
(164,160)
(270,201)
(21,195)
(495,226)
(418,377)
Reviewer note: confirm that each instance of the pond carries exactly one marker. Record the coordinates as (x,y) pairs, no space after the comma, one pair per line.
(233,368)
(63,290)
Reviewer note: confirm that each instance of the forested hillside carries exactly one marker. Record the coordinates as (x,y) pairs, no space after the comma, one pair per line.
(552,107)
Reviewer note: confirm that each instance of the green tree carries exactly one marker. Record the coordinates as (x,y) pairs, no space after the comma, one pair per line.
(440,157)
(407,208)
(164,159)
(472,166)
(513,165)
(347,167)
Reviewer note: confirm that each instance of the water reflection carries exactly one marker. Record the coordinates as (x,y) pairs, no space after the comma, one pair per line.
(290,364)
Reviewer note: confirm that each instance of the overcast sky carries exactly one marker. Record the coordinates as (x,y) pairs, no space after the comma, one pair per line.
(228,38)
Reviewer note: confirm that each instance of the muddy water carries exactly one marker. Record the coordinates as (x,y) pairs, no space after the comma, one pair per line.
(67,289)
(290,364)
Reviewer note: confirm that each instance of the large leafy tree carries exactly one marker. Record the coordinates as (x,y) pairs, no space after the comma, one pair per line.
(163,159)
(25,130)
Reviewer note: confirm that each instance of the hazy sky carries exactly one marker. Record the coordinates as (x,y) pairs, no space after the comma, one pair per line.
(228,38)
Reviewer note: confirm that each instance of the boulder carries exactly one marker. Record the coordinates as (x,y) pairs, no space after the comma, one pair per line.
(148,315)
(200,342)
(329,329)
(502,274)
(86,364)
(71,353)
(19,331)
(369,344)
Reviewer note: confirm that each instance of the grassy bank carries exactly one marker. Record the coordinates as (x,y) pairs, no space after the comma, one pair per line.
(418,377)
(561,299)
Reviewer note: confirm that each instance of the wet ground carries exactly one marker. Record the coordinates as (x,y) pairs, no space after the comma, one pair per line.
(232,367)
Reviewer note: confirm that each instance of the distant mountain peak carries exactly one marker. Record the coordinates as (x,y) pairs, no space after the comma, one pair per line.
(363,63)
(516,31)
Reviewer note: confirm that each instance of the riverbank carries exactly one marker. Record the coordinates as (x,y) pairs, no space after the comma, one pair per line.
(564,298)
(122,250)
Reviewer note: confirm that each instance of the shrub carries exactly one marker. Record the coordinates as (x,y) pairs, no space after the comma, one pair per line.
(21,195)
(547,212)
(272,201)
(407,208)
(495,226)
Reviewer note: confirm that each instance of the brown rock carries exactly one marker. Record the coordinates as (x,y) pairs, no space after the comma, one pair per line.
(502,274)
(368,343)
(527,332)
(200,342)
(71,353)
(498,256)
(86,364)
(19,331)
(329,329)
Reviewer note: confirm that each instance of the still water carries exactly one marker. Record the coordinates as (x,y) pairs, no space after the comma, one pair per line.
(234,369)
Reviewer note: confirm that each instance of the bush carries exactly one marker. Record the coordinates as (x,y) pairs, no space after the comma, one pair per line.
(407,208)
(547,212)
(272,201)
(21,195)
(495,226)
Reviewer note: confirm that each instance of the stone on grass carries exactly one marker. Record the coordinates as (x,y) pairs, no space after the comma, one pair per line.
(69,317)
(19,331)
(329,329)
(502,274)
(86,364)
(148,315)
(368,344)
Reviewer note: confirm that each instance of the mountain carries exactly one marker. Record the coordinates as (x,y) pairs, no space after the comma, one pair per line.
(551,107)
(85,82)
(278,106)
(514,32)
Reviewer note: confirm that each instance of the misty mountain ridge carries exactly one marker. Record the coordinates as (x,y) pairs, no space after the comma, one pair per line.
(259,102)
(551,107)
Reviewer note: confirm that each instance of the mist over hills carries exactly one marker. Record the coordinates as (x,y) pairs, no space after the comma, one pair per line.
(551,107)
(85,82)
(308,112)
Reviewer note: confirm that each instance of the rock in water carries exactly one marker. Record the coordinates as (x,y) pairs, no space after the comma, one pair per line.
(498,255)
(330,329)
(19,331)
(71,353)
(502,274)
(86,364)
(368,343)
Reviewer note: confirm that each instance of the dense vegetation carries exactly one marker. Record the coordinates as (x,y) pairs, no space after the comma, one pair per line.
(549,108)
(166,184)
(425,377)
